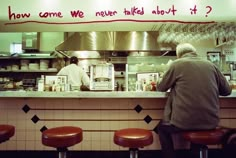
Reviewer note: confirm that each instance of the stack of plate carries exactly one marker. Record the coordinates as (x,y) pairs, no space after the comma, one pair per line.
(33,66)
(24,64)
(15,67)
(44,64)
(9,67)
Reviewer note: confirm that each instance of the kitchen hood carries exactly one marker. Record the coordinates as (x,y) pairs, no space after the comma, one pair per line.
(114,41)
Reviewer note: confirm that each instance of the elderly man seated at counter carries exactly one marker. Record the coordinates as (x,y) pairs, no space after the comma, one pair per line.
(193,103)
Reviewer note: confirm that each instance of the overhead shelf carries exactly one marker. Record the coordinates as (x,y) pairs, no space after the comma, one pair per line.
(30,71)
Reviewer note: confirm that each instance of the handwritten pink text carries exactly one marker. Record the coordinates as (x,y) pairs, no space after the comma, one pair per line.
(133,11)
(193,10)
(106,13)
(159,11)
(14,16)
(77,14)
(50,14)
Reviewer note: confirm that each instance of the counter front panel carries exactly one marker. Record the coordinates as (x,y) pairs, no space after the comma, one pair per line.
(99,116)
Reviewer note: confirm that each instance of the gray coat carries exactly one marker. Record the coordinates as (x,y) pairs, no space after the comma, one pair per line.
(195,85)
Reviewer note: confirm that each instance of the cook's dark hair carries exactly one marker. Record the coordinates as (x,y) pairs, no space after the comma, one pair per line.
(74,60)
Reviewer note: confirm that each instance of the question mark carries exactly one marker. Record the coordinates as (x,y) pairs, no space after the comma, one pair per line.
(210,9)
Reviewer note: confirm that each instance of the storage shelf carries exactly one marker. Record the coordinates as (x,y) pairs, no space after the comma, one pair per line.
(27,57)
(30,71)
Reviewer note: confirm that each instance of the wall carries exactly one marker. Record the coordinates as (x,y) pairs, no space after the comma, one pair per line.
(17,16)
(8,38)
(204,46)
(48,40)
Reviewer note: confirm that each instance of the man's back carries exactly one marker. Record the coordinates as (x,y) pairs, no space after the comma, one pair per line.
(76,75)
(195,87)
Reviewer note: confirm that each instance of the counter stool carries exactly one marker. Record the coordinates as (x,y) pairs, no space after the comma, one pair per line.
(133,138)
(62,138)
(6,132)
(201,139)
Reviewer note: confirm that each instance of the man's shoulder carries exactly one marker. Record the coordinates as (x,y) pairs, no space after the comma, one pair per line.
(191,60)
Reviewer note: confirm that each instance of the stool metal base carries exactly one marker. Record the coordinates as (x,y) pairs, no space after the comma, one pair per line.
(202,150)
(133,152)
(203,153)
(62,152)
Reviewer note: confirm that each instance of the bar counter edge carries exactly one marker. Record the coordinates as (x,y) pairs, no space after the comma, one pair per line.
(89,94)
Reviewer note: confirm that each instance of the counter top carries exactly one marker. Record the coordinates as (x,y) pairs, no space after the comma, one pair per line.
(81,94)
(87,94)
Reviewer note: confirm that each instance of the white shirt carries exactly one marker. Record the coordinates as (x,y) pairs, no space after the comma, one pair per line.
(76,75)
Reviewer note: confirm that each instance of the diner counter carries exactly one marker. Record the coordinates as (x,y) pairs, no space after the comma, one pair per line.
(98,113)
(88,94)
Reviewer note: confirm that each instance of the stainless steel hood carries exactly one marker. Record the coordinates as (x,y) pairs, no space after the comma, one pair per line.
(114,41)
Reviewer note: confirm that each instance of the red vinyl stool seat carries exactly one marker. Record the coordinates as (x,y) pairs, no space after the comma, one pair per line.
(6,132)
(204,138)
(133,138)
(62,138)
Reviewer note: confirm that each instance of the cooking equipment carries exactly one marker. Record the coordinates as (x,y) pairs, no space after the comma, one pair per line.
(29,83)
(102,77)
